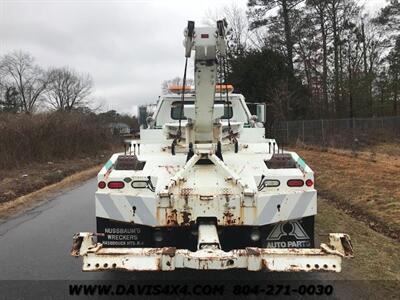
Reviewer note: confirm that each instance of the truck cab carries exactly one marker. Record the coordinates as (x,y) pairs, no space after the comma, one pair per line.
(168,112)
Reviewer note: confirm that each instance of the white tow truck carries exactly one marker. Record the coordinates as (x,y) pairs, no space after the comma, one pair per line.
(203,188)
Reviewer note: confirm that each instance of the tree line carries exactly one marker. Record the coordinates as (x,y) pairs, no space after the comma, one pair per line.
(315,58)
(26,87)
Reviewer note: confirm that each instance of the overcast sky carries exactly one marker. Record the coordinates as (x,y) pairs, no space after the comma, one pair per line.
(128,46)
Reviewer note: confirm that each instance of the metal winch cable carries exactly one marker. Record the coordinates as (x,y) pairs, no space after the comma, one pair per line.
(221,25)
(226,92)
(182,99)
(220,77)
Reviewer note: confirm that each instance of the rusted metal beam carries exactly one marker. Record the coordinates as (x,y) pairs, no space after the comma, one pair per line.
(327,258)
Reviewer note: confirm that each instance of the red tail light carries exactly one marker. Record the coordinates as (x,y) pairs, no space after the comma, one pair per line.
(101,185)
(116,185)
(295,182)
(309,182)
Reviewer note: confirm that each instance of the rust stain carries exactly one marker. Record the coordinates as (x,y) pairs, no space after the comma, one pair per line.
(240,252)
(152,251)
(241,211)
(172,218)
(241,218)
(228,217)
(170,251)
(186,218)
(159,263)
(186,192)
(226,192)
(264,264)
(253,252)
(170,169)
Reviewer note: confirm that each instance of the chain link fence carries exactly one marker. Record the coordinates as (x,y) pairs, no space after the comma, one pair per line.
(337,133)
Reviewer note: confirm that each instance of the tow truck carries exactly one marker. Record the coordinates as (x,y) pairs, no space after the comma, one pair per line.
(204,188)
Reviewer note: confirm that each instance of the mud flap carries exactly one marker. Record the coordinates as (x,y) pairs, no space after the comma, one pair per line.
(295,234)
(290,234)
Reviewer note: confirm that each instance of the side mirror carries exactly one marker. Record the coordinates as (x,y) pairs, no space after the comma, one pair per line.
(150,122)
(261,112)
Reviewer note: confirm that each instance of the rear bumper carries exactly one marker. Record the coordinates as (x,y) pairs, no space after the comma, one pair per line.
(327,258)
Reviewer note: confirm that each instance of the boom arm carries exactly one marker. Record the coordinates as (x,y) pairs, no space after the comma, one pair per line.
(206,42)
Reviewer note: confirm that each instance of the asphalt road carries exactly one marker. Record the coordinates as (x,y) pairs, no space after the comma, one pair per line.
(35,245)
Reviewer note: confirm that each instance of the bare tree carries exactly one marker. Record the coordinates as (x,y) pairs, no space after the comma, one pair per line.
(259,13)
(66,89)
(28,79)
(3,85)
(238,31)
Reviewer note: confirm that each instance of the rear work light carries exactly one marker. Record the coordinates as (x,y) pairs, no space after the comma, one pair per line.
(116,185)
(295,182)
(309,182)
(271,183)
(101,185)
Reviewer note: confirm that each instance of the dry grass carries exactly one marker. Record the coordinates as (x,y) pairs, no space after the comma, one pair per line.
(376,259)
(392,150)
(42,149)
(366,186)
(20,181)
(12,207)
(26,139)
